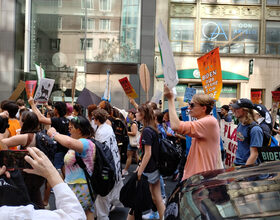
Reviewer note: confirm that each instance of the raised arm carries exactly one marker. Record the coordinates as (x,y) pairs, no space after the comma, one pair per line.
(41,117)
(66,141)
(174,120)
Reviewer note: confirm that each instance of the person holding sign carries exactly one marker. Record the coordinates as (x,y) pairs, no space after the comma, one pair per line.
(204,154)
(248,143)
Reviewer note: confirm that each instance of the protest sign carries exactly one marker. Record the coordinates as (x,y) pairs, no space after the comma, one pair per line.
(87,98)
(44,90)
(269,153)
(256,97)
(107,92)
(228,135)
(189,94)
(210,70)
(144,76)
(167,60)
(17,91)
(276,96)
(30,86)
(157,96)
(127,87)
(74,85)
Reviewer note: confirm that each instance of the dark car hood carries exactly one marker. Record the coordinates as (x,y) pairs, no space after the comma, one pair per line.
(236,193)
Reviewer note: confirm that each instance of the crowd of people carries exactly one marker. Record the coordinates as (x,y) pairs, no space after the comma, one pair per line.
(135,131)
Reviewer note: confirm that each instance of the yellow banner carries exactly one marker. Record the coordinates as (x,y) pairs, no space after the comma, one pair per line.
(209,66)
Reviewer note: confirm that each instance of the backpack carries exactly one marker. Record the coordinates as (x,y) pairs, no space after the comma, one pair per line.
(46,144)
(120,131)
(169,157)
(103,178)
(266,135)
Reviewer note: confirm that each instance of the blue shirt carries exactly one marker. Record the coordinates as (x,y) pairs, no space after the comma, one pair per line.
(244,144)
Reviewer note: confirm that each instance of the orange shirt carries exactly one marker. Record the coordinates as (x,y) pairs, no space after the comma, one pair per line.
(205,151)
(14,129)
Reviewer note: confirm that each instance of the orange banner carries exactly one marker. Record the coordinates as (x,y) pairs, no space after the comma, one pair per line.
(209,66)
(30,86)
(256,97)
(127,87)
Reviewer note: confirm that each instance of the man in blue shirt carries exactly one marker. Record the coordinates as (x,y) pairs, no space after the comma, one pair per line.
(247,152)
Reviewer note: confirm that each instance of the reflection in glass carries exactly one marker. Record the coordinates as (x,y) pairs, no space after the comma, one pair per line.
(237,48)
(251,49)
(187,1)
(272,37)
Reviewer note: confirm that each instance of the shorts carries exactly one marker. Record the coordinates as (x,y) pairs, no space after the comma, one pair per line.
(58,161)
(82,193)
(152,177)
(129,147)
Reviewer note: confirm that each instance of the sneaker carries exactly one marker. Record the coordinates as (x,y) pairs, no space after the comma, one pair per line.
(124,172)
(151,215)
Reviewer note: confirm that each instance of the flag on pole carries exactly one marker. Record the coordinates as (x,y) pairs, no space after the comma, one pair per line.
(40,72)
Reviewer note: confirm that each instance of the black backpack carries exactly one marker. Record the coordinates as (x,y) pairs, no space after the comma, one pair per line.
(120,131)
(103,178)
(266,135)
(169,157)
(46,144)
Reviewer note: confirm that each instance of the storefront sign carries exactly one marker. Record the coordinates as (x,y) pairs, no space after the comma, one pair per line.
(256,97)
(30,86)
(167,60)
(269,153)
(211,74)
(127,87)
(228,135)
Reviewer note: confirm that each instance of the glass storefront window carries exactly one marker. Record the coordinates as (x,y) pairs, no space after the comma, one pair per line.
(272,2)
(272,37)
(232,36)
(182,34)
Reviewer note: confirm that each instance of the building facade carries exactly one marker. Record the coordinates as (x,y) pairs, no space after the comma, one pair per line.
(246,31)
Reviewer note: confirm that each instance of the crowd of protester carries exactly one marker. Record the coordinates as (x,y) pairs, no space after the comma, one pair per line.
(135,131)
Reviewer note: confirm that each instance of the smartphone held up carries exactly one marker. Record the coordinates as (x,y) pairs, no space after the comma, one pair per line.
(14,159)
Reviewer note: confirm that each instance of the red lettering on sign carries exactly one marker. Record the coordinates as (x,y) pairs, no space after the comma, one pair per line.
(225,131)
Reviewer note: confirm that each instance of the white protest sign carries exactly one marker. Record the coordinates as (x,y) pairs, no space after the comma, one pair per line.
(228,135)
(44,90)
(167,60)
(157,96)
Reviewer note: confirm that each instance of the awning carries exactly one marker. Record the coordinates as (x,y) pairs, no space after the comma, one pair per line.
(194,74)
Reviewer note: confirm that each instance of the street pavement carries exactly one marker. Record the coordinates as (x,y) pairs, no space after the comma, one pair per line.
(120,213)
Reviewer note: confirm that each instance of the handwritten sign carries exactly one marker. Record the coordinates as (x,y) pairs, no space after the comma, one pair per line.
(30,86)
(228,135)
(256,97)
(189,94)
(18,91)
(127,87)
(269,153)
(44,90)
(210,70)
(167,60)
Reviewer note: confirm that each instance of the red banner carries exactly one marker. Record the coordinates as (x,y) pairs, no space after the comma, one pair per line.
(127,87)
(30,86)
(256,97)
(276,96)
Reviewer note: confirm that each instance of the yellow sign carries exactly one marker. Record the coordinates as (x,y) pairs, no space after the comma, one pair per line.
(127,87)
(210,70)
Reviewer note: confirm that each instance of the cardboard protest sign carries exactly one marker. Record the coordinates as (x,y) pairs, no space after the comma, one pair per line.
(269,153)
(167,60)
(256,97)
(228,135)
(30,86)
(127,87)
(157,96)
(189,94)
(87,98)
(210,70)
(144,76)
(17,91)
(44,90)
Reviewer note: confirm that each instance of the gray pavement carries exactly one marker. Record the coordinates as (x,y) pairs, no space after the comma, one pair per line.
(120,213)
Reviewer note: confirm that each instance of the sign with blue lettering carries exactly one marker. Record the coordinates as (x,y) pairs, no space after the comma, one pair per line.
(189,94)
(269,153)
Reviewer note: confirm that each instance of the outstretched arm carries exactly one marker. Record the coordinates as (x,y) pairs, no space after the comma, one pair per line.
(174,120)
(41,117)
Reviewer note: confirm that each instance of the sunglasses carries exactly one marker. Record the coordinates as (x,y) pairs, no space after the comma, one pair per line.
(192,105)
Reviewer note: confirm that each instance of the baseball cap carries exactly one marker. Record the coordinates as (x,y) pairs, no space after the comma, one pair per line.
(242,103)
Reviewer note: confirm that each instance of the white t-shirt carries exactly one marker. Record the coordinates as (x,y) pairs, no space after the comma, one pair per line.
(105,133)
